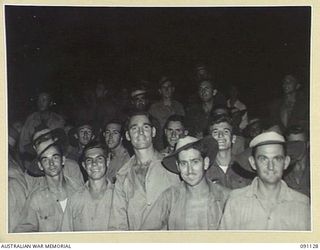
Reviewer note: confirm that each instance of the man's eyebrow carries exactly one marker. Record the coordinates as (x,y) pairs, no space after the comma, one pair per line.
(147,123)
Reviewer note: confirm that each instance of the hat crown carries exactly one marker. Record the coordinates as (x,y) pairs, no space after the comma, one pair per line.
(185,140)
(267,138)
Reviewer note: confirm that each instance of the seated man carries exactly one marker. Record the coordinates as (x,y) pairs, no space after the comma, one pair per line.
(89,208)
(268,203)
(112,133)
(224,170)
(44,208)
(35,177)
(142,179)
(195,204)
(174,129)
(81,136)
(167,106)
(297,175)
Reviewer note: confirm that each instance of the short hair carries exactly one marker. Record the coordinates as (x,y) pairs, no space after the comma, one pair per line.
(295,129)
(136,113)
(214,86)
(254,149)
(219,119)
(175,118)
(112,121)
(91,145)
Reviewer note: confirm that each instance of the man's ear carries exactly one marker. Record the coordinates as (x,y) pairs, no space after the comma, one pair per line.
(286,162)
(233,139)
(154,132)
(214,92)
(186,132)
(178,167)
(206,163)
(84,165)
(76,136)
(39,165)
(159,90)
(92,137)
(127,136)
(63,160)
(252,162)
(173,89)
(298,86)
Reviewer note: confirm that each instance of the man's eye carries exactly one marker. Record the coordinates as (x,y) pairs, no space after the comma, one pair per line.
(88,160)
(146,126)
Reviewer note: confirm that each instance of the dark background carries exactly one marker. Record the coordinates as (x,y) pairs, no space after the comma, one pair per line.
(64,48)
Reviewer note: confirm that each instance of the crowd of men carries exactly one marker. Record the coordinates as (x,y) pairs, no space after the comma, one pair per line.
(136,165)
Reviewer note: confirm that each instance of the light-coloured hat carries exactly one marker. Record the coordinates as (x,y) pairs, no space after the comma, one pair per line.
(267,138)
(295,149)
(208,144)
(138,92)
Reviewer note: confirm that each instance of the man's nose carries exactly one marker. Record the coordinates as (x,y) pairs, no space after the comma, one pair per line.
(141,131)
(270,165)
(190,169)
(220,134)
(51,162)
(174,133)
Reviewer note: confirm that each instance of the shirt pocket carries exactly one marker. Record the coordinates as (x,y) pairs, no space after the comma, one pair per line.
(49,219)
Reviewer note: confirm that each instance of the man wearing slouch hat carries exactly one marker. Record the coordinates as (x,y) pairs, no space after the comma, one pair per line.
(197,203)
(268,203)
(44,208)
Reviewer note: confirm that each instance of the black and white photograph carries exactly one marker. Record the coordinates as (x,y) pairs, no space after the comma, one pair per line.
(148,118)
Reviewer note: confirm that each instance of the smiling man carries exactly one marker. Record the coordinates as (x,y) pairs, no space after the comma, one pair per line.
(224,170)
(89,208)
(197,203)
(268,203)
(44,208)
(142,179)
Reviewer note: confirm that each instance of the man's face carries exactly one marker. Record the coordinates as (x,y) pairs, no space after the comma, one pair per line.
(84,135)
(140,102)
(289,84)
(44,100)
(254,130)
(173,132)
(269,162)
(112,135)
(140,132)
(222,133)
(166,89)
(192,166)
(51,162)
(95,163)
(206,91)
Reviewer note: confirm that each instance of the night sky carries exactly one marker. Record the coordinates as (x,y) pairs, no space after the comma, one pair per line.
(63,48)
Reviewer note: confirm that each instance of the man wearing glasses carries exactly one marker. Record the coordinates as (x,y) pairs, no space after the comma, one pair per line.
(44,208)
(142,179)
(89,208)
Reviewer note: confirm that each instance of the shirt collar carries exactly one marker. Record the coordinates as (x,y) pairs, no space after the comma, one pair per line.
(284,194)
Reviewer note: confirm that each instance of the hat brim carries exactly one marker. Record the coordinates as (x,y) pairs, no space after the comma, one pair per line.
(295,150)
(208,143)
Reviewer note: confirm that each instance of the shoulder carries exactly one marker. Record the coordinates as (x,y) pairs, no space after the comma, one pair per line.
(239,193)
(298,197)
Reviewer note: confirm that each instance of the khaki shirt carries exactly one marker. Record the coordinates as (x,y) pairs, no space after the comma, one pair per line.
(130,200)
(244,210)
(42,212)
(118,159)
(86,214)
(17,192)
(169,212)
